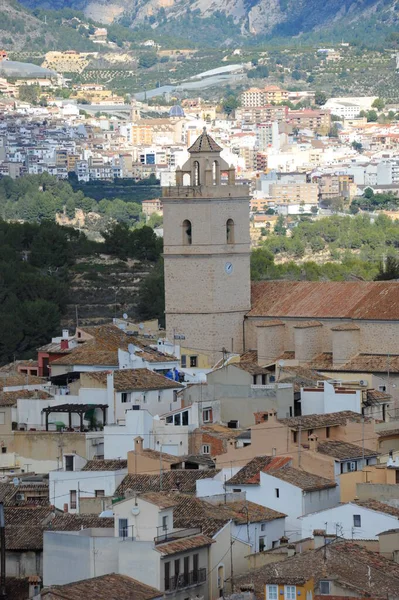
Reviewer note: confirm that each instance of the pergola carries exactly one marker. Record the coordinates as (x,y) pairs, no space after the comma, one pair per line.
(78,409)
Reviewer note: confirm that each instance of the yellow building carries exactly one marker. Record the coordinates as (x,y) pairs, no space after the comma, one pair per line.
(271,94)
(306,193)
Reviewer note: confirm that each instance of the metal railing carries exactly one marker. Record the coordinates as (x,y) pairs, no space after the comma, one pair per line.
(184,580)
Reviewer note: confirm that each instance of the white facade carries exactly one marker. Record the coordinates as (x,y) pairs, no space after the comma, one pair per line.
(66,488)
(349,521)
(327,399)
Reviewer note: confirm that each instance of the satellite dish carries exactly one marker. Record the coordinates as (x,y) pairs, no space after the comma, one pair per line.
(135,510)
(131,348)
(281,363)
(106,513)
(141,326)
(124,316)
(15,481)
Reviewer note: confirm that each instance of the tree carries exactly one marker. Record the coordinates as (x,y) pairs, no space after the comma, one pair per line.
(389,270)
(320,98)
(357,146)
(262,261)
(147,60)
(372,116)
(378,104)
(229,104)
(151,297)
(279,228)
(29,93)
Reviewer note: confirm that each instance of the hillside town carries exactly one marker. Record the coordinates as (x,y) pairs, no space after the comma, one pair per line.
(246,446)
(249,450)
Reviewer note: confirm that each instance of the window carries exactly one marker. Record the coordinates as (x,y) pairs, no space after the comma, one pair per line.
(220,579)
(3,450)
(196,173)
(352,466)
(183,361)
(165,522)
(123,528)
(184,418)
(277,493)
(207,415)
(357,521)
(159,396)
(125,397)
(187,233)
(271,592)
(174,395)
(382,388)
(324,588)
(72,499)
(206,449)
(99,493)
(262,544)
(144,399)
(290,592)
(263,527)
(294,437)
(236,490)
(195,568)
(69,459)
(167,575)
(186,570)
(230,231)
(193,361)
(327,432)
(177,570)
(2,418)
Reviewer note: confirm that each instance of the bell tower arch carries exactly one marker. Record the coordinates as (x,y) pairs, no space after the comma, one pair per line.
(207,253)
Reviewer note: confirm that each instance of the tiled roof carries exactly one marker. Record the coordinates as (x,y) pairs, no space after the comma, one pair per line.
(362,572)
(387,432)
(250,474)
(336,299)
(178,479)
(156,455)
(303,480)
(204,143)
(344,450)
(111,338)
(20,380)
(211,517)
(24,526)
(160,499)
(70,522)
(361,363)
(218,431)
(378,506)
(10,398)
(54,348)
(89,355)
(377,396)
(249,363)
(17,588)
(135,379)
(108,464)
(105,587)
(326,420)
(13,366)
(183,544)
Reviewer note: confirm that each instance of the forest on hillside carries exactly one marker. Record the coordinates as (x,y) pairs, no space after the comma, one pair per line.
(37,264)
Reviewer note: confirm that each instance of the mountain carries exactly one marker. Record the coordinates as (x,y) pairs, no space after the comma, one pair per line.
(18,27)
(271,17)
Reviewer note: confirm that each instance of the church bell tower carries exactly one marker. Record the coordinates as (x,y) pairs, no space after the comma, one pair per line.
(206,253)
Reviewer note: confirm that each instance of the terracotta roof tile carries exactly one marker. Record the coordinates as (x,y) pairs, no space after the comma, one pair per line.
(183,544)
(326,420)
(204,143)
(105,587)
(362,572)
(108,464)
(135,379)
(249,363)
(250,474)
(70,522)
(160,499)
(20,380)
(10,398)
(89,355)
(387,432)
(178,479)
(344,450)
(303,480)
(378,506)
(337,299)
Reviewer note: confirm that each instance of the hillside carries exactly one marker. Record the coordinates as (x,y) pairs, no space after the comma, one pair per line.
(18,27)
(280,18)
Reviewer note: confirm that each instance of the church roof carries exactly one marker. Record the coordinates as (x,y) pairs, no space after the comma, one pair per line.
(204,143)
(369,300)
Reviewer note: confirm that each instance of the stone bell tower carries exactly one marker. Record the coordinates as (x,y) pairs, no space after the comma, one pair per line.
(206,253)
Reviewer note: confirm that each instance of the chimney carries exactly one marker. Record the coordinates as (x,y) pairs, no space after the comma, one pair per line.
(291,551)
(319,536)
(312,439)
(65,507)
(65,334)
(64,344)
(138,444)
(272,416)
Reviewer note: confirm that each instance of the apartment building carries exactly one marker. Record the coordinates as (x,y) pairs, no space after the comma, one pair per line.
(316,120)
(261,97)
(261,114)
(295,193)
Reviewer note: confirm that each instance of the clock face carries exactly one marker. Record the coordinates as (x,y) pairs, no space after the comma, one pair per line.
(228,267)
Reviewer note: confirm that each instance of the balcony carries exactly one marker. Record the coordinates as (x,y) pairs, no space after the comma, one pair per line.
(184,580)
(169,536)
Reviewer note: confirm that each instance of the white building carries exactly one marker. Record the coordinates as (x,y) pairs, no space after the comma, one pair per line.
(354,520)
(328,399)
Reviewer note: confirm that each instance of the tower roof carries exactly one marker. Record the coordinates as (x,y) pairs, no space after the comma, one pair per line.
(204,143)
